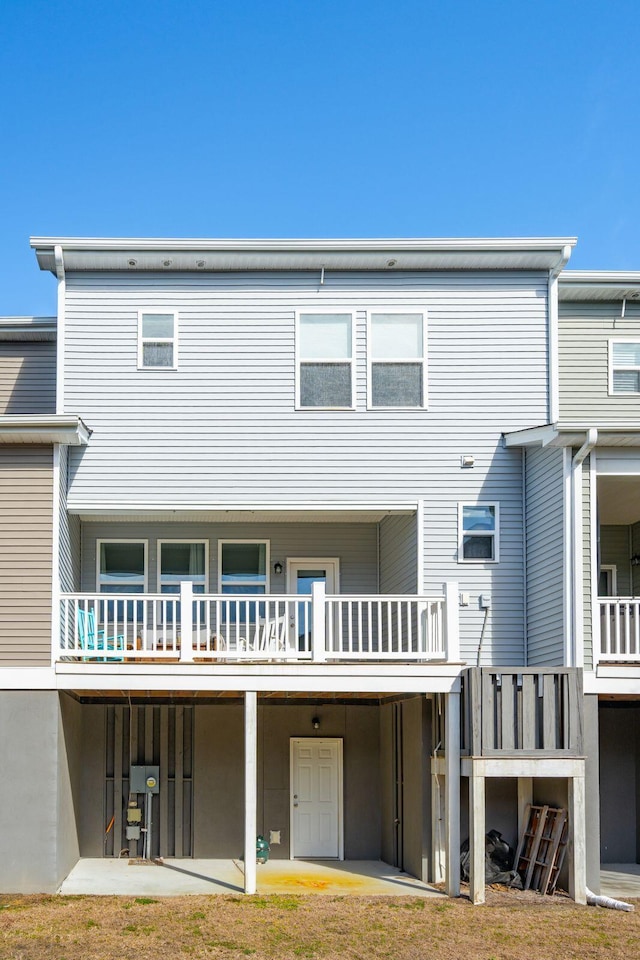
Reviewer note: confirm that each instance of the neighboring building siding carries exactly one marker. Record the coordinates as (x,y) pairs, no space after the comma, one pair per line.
(26,517)
(354,543)
(584,333)
(27,377)
(398,555)
(545,553)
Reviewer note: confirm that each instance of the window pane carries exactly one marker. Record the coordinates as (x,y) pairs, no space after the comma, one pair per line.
(157,326)
(627,381)
(157,354)
(122,563)
(244,562)
(396,384)
(477,548)
(325,336)
(478,518)
(626,354)
(325,385)
(396,335)
(181,561)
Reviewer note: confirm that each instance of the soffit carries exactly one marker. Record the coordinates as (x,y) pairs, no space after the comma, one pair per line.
(598,285)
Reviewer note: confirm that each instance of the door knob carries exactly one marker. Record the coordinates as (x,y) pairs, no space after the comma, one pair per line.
(295,804)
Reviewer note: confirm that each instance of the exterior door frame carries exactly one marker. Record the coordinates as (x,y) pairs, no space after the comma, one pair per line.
(340,743)
(313,562)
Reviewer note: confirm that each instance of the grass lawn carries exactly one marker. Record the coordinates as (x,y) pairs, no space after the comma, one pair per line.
(510,925)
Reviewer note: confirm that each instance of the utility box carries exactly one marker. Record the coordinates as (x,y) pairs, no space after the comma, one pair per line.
(144,779)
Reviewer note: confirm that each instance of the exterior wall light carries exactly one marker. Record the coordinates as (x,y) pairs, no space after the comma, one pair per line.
(277,567)
(315,723)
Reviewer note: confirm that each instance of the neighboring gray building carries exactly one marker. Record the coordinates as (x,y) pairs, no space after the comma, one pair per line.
(317,505)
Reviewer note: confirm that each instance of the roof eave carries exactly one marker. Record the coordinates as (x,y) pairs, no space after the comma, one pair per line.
(50,428)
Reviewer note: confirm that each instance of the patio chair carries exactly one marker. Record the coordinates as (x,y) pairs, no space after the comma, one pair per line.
(94,642)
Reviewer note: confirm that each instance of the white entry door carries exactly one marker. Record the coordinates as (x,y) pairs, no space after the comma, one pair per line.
(316,798)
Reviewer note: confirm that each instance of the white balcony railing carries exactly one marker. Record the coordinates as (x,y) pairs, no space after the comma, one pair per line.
(188,627)
(619,629)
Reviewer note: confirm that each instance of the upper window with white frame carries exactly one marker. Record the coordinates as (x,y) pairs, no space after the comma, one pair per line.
(624,366)
(397,368)
(478,529)
(122,566)
(157,340)
(182,560)
(243,566)
(324,348)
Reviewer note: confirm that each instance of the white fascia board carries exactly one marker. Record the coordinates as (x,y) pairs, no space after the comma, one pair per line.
(171,254)
(90,509)
(27,678)
(263,678)
(571,435)
(51,428)
(613,680)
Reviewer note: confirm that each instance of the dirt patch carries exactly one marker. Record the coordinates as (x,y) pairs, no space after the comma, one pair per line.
(510,925)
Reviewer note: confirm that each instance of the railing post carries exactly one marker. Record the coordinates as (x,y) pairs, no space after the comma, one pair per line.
(186,621)
(451,621)
(318,622)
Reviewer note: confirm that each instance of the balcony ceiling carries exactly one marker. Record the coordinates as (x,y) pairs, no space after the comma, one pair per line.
(618,500)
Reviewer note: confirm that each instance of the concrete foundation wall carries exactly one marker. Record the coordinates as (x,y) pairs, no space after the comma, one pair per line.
(39,760)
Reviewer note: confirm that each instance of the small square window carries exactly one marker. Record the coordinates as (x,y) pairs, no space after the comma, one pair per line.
(157,340)
(396,360)
(478,532)
(624,366)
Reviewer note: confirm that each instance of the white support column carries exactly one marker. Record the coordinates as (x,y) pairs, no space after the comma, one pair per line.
(577,840)
(452,799)
(250,788)
(525,798)
(186,621)
(451,621)
(438,823)
(318,622)
(476,836)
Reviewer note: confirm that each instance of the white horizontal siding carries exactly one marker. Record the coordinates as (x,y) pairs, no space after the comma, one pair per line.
(584,332)
(224,426)
(545,556)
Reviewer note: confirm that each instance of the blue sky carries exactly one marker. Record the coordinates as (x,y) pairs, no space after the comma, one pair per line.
(295,119)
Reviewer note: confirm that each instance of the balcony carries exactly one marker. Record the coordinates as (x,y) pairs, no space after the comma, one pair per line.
(619,623)
(190,628)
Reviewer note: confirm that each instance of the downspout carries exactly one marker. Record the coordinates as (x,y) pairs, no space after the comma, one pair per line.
(576,649)
(60,336)
(552,335)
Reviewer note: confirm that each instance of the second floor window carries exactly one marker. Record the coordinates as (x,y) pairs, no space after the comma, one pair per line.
(478,532)
(325,360)
(157,340)
(624,366)
(396,360)
(243,566)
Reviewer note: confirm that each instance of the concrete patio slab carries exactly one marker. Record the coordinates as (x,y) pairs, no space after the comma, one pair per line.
(620,880)
(111,877)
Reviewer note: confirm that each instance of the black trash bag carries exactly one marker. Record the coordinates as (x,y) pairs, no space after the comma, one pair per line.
(498,861)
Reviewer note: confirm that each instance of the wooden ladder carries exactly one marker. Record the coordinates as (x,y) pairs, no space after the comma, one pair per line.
(542,847)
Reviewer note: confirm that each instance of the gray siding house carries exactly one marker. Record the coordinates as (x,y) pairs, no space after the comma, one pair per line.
(307,558)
